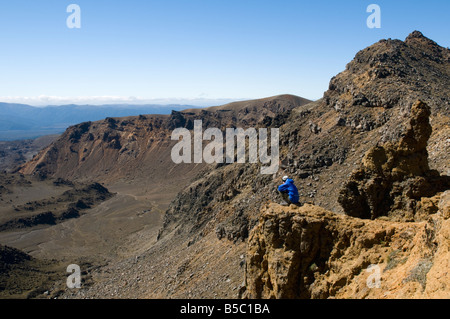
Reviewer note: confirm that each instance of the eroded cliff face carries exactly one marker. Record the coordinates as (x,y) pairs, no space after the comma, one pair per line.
(310,252)
(394,179)
(317,252)
(321,143)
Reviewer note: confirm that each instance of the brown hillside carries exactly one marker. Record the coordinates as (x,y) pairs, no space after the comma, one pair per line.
(126,148)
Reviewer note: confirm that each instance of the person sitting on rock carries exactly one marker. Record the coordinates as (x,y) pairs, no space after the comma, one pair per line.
(289,191)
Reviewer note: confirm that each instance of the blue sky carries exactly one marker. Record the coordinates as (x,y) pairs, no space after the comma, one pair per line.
(188,50)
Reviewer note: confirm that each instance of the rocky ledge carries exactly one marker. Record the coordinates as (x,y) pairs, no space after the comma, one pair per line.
(310,252)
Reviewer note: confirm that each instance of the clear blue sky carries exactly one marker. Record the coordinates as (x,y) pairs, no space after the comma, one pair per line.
(192,49)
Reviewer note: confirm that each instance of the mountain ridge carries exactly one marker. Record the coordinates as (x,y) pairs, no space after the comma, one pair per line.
(133,136)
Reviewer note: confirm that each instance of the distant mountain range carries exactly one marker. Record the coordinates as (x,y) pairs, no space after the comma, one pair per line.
(20,121)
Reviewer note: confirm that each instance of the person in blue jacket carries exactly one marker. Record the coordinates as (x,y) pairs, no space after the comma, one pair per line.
(289,191)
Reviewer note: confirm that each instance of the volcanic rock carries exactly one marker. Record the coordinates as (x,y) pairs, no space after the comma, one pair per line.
(309,252)
(394,178)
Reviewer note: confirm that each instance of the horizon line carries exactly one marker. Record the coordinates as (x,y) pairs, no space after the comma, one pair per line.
(48,101)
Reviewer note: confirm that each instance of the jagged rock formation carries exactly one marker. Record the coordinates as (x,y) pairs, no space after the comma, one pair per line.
(411,65)
(313,253)
(321,144)
(378,87)
(395,178)
(309,252)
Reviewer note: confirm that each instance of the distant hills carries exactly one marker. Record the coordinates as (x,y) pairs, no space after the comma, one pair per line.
(115,148)
(20,121)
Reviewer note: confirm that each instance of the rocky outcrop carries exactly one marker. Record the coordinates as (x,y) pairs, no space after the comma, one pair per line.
(72,203)
(309,252)
(321,144)
(413,65)
(394,179)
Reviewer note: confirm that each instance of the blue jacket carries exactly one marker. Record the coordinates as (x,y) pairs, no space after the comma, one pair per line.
(291,189)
